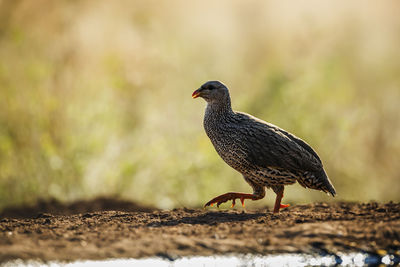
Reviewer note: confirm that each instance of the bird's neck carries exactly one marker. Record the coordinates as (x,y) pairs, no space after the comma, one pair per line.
(219,109)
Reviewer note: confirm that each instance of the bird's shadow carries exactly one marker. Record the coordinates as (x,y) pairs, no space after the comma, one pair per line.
(208,218)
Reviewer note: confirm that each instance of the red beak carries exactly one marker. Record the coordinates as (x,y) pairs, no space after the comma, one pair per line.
(196,93)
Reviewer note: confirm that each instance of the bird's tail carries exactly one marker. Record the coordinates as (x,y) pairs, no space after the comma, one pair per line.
(327,185)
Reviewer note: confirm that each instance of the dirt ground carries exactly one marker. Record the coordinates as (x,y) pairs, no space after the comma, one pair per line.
(107,228)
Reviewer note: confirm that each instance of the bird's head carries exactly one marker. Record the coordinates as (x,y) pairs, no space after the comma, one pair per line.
(212,91)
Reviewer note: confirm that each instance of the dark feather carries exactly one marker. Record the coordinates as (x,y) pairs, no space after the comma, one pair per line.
(269,146)
(265,154)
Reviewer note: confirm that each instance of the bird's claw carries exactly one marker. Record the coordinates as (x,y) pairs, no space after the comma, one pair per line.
(224,198)
(242,200)
(218,202)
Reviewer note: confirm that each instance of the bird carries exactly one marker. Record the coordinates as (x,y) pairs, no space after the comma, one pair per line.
(266,155)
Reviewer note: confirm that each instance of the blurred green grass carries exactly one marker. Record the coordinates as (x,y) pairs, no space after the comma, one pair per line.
(95,96)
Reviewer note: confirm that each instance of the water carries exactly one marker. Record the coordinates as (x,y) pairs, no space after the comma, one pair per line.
(350,259)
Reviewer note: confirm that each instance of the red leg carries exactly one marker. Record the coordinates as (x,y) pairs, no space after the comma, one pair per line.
(279,196)
(258,193)
(231,196)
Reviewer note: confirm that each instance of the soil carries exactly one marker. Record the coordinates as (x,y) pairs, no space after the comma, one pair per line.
(133,231)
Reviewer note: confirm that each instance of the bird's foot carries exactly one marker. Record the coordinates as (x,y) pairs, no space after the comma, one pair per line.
(282,206)
(229,196)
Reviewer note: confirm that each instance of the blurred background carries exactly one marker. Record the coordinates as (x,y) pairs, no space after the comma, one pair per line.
(95,96)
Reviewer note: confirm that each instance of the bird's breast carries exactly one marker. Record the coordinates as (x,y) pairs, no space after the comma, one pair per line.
(227,144)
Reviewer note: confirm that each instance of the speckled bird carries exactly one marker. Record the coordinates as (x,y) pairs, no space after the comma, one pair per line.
(266,155)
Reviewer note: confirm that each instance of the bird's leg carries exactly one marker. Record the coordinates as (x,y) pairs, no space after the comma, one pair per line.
(279,195)
(259,193)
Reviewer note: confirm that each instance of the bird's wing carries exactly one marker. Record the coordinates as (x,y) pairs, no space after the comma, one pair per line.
(268,145)
(298,141)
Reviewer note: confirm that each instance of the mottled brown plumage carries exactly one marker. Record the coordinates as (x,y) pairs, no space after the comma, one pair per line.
(266,155)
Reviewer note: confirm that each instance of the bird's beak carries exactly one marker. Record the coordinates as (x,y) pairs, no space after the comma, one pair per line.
(196,93)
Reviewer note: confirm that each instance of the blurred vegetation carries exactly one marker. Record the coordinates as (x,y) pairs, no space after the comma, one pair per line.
(95,96)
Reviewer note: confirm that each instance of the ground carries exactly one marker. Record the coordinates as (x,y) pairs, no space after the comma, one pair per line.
(99,232)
